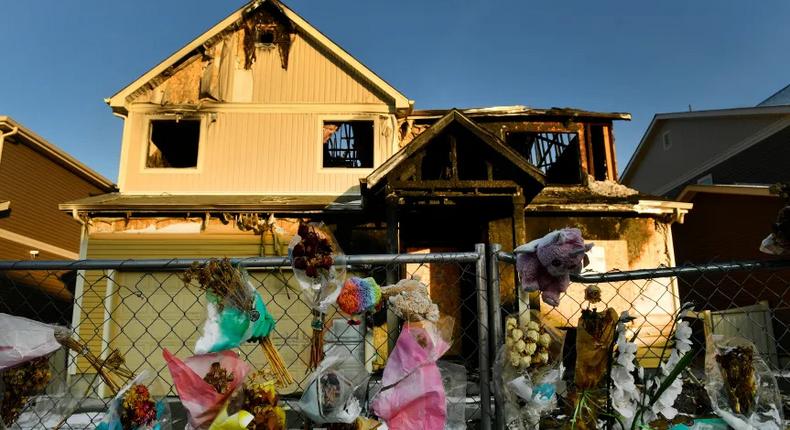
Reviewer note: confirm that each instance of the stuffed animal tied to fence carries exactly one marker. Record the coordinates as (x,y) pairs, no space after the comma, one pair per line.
(545,264)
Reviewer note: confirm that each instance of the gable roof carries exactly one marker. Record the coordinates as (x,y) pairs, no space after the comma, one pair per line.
(10,127)
(453,116)
(118,100)
(779,98)
(659,118)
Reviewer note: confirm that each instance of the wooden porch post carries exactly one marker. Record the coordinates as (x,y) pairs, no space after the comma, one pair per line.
(393,272)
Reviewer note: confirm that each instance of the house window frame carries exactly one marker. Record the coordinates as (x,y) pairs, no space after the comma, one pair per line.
(144,169)
(347,117)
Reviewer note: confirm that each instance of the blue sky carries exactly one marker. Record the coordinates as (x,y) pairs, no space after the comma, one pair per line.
(60,59)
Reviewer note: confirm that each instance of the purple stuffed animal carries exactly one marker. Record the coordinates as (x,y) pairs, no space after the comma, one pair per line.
(545,264)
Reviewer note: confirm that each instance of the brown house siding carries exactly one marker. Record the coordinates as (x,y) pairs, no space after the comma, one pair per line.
(724,228)
(35,185)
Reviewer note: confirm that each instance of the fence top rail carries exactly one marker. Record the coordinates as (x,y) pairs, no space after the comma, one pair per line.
(665,272)
(248,262)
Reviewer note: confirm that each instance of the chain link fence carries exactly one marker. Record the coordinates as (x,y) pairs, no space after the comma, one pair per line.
(140,307)
(745,299)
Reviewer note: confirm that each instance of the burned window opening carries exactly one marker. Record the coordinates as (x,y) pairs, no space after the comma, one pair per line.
(265,37)
(598,146)
(268,17)
(541,149)
(173,143)
(348,144)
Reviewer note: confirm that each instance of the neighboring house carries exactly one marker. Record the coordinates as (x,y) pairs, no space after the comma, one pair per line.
(36,176)
(723,162)
(262,121)
(725,146)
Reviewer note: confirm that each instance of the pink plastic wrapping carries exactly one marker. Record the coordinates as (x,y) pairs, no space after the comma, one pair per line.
(413,396)
(201,401)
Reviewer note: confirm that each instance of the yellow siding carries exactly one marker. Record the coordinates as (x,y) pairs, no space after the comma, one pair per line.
(250,153)
(151,311)
(312,77)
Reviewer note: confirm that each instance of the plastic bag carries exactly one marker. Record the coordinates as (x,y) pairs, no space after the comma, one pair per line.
(318,264)
(25,374)
(48,410)
(230,327)
(330,396)
(133,405)
(413,395)
(22,339)
(454,381)
(201,399)
(753,405)
(529,391)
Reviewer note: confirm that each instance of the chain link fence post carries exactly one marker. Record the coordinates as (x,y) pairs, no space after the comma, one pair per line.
(495,322)
(483,345)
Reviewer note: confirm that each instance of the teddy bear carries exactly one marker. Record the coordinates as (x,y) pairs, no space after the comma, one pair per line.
(545,264)
(409,299)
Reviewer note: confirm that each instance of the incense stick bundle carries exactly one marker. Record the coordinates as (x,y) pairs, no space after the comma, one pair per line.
(316,342)
(281,373)
(109,369)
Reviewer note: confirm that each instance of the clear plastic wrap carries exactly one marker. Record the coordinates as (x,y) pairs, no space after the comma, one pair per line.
(318,264)
(47,410)
(413,395)
(454,381)
(331,393)
(22,339)
(320,267)
(201,399)
(25,375)
(744,394)
(529,390)
(133,409)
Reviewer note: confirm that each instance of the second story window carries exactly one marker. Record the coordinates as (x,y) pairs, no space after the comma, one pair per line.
(173,143)
(348,144)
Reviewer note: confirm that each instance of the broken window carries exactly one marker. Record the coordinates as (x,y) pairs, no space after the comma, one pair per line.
(348,144)
(599,163)
(265,37)
(556,154)
(173,143)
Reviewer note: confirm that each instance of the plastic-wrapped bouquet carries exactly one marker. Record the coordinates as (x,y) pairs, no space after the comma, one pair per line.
(413,395)
(318,265)
(236,313)
(260,399)
(330,393)
(25,347)
(134,409)
(741,386)
(205,383)
(529,369)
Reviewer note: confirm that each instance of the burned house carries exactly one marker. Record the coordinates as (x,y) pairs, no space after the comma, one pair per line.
(263,121)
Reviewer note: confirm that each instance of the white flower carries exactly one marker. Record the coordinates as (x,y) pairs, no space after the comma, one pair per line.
(531,347)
